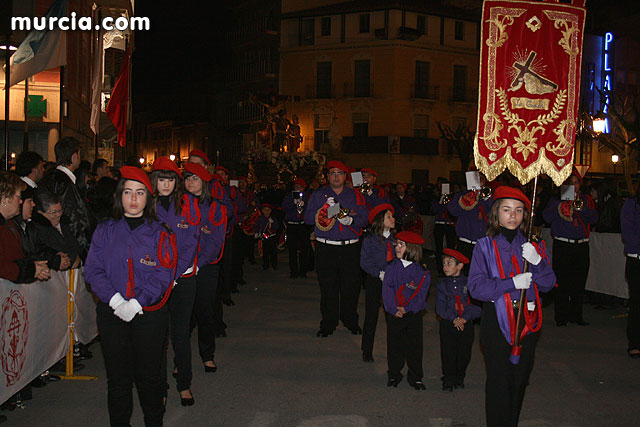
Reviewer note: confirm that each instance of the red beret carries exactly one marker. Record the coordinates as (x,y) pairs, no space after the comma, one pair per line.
(457,255)
(223,169)
(243,178)
(266,205)
(136,174)
(380,208)
(410,237)
(300,181)
(199,153)
(166,164)
(504,192)
(403,184)
(338,165)
(198,170)
(369,170)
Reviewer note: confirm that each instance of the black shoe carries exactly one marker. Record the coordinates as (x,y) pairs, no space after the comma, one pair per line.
(580,322)
(418,385)
(54,378)
(459,384)
(235,291)
(228,301)
(82,351)
(187,401)
(221,334)
(210,368)
(367,356)
(561,323)
(356,331)
(392,382)
(447,387)
(323,333)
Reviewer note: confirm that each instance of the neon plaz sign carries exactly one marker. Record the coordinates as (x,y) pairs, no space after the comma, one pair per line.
(607,74)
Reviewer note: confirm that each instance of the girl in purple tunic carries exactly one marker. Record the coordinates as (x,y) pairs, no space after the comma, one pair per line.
(178,211)
(376,253)
(130,267)
(497,277)
(404,294)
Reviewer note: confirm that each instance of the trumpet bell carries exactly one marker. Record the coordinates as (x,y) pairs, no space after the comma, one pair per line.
(446,198)
(486,192)
(578,204)
(366,187)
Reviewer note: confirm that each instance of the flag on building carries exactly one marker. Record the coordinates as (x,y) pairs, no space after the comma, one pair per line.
(117,108)
(96,85)
(41,50)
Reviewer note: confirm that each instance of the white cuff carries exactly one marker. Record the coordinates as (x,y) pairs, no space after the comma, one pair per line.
(116,300)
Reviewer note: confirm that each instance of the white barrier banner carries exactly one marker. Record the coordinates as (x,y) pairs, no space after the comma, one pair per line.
(34,329)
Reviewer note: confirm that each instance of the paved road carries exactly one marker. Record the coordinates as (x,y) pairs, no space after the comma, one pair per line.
(273,371)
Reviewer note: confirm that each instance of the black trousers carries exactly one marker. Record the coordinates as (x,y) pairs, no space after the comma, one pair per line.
(133,355)
(440,233)
(632,273)
(404,344)
(455,351)
(239,249)
(270,252)
(373,300)
(205,310)
(571,265)
(506,383)
(467,250)
(298,242)
(181,303)
(338,269)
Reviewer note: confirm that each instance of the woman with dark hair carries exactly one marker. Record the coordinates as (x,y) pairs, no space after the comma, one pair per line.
(630,220)
(497,277)
(14,265)
(181,214)
(376,253)
(130,267)
(213,223)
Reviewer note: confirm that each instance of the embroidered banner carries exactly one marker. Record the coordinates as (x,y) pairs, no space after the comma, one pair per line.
(530,60)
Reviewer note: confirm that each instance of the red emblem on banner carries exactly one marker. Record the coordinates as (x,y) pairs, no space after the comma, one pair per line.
(529,88)
(15,334)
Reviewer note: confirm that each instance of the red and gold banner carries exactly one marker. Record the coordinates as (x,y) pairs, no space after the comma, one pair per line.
(530,61)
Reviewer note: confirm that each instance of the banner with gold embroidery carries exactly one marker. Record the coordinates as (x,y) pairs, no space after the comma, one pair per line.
(530,60)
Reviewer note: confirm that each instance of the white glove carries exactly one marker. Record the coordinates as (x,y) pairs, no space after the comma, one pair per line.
(522,281)
(347,220)
(530,253)
(116,301)
(257,235)
(331,201)
(128,310)
(301,202)
(381,275)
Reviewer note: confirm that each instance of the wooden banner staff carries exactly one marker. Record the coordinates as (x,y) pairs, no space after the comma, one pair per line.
(523,292)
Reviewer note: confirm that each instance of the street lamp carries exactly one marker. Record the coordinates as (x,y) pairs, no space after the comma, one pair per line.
(599,122)
(141,160)
(172,157)
(615,159)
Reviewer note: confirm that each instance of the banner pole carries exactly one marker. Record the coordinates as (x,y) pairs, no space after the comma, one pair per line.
(69,359)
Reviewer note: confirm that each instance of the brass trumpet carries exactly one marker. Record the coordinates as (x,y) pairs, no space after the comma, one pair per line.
(446,198)
(366,187)
(578,204)
(343,213)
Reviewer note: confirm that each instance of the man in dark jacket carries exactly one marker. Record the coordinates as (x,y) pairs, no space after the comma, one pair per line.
(61,181)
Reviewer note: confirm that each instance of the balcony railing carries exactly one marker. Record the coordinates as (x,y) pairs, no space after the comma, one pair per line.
(358,91)
(245,113)
(425,92)
(250,29)
(253,71)
(462,94)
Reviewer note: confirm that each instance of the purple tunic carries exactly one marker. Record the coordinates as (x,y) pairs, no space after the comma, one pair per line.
(219,193)
(106,269)
(212,232)
(185,229)
(448,288)
(262,225)
(441,213)
(401,283)
(373,255)
(471,223)
(484,281)
(378,196)
(630,222)
(571,224)
(290,212)
(348,198)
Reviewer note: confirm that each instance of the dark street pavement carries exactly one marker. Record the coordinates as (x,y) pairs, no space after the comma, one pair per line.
(273,371)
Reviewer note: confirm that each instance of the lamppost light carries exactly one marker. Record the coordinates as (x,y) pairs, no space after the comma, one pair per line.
(141,160)
(599,122)
(615,158)
(172,157)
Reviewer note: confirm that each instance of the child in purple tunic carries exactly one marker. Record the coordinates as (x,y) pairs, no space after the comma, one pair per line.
(404,294)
